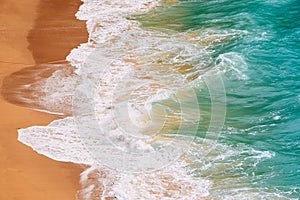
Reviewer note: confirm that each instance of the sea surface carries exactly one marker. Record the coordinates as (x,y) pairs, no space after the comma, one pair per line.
(194,99)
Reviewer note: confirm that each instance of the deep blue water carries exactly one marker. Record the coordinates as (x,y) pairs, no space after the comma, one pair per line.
(262,82)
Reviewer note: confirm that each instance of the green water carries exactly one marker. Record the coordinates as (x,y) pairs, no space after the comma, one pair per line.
(256,44)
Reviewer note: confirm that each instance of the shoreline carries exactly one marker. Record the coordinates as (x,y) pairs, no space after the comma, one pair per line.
(35,25)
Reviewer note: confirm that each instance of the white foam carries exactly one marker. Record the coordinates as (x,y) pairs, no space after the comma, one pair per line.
(58,141)
(233,64)
(163,184)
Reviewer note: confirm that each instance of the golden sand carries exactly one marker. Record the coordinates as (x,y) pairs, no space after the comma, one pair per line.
(33,32)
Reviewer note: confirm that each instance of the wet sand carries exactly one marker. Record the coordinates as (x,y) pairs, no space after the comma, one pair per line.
(33,32)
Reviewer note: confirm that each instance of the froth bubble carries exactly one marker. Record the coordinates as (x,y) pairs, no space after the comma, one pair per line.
(132,120)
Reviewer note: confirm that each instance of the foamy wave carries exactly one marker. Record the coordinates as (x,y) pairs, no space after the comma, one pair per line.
(150,66)
(107,25)
(163,184)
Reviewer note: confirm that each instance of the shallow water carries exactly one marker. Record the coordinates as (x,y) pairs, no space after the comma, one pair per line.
(261,68)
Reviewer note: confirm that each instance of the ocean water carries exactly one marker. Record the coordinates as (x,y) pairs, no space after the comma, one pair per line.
(181,100)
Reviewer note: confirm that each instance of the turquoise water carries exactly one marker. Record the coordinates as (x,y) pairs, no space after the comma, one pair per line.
(259,41)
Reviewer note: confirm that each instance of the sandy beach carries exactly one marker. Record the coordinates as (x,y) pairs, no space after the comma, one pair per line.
(33,32)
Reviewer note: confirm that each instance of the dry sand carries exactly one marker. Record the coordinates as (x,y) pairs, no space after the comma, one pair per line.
(33,32)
